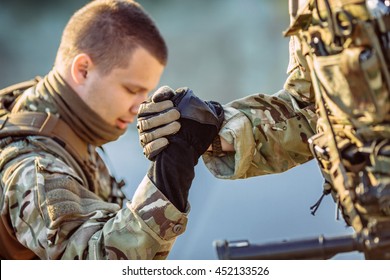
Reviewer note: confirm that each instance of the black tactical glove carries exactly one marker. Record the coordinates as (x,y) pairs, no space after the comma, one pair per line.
(200,120)
(157,118)
(173,170)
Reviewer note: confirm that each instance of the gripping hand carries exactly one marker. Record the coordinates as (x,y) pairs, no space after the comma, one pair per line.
(157,118)
(200,120)
(173,170)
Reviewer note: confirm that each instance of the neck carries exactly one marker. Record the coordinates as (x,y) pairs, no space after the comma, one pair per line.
(74,111)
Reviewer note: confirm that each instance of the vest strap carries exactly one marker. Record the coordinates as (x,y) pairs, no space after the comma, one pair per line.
(44,124)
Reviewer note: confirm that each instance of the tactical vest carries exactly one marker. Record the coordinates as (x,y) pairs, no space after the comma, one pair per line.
(347,48)
(74,150)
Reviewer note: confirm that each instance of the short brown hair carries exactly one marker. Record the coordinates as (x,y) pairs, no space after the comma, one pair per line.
(108,31)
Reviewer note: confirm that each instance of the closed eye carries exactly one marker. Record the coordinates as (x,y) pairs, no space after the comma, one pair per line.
(136,90)
(132,92)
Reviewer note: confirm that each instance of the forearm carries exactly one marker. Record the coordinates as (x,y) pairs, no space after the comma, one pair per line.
(66,221)
(173,172)
(226,146)
(146,229)
(267,133)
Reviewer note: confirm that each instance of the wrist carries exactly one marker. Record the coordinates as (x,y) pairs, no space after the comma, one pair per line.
(225,146)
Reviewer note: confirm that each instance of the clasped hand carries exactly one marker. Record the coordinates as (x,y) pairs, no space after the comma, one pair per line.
(181,114)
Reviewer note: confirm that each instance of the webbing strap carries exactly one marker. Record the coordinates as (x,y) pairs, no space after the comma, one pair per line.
(44,124)
(20,86)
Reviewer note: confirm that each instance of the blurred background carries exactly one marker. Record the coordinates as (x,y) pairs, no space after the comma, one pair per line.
(223,50)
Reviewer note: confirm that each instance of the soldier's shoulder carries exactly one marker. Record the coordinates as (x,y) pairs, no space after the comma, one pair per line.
(27,151)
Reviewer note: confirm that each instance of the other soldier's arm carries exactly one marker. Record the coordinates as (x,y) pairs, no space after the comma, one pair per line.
(268,133)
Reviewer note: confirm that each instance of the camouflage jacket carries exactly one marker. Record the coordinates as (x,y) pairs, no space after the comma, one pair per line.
(48,209)
(269,132)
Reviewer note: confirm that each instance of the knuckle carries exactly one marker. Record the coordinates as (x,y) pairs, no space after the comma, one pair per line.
(140,126)
(147,150)
(144,139)
(173,114)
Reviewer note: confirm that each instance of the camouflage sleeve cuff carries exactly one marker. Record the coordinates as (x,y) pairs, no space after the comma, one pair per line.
(151,207)
(237,130)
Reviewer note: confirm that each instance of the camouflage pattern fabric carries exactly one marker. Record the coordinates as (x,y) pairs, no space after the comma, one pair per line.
(53,213)
(336,98)
(269,132)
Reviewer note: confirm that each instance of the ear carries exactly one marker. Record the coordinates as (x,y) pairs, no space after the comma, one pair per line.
(81,65)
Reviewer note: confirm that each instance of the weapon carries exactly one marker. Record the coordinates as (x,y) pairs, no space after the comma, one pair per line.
(304,249)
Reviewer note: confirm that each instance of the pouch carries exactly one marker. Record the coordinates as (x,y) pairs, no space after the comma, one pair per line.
(354,84)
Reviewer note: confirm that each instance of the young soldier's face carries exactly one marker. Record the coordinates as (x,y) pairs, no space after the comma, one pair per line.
(116,96)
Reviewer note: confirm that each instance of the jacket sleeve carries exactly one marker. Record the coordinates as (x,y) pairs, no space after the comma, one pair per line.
(269,132)
(56,217)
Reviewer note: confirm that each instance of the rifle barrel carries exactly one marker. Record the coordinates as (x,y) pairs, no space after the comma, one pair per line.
(312,248)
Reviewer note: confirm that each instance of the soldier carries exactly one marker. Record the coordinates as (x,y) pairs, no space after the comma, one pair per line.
(334,107)
(58,200)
